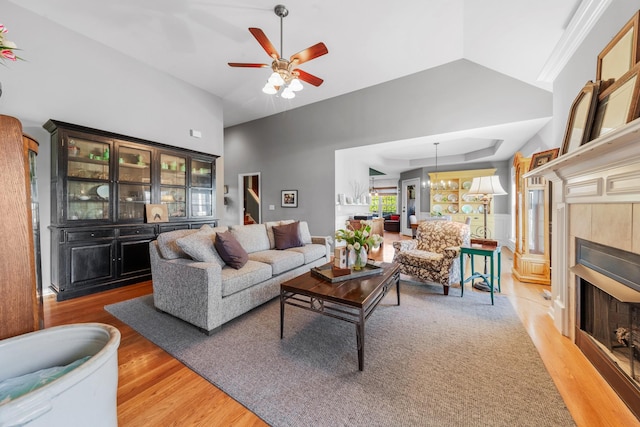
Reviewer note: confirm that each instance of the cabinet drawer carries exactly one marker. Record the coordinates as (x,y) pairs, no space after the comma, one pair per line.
(138,231)
(78,236)
(165,228)
(199,225)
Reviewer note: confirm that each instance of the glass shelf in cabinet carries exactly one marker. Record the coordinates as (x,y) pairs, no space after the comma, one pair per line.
(89,160)
(134,165)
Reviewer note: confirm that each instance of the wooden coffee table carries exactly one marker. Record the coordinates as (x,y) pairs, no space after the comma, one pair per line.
(351,300)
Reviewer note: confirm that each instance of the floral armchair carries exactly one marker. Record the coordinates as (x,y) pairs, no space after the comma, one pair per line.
(434,255)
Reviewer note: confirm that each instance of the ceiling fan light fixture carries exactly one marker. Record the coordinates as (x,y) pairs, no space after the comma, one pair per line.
(288,94)
(276,79)
(295,85)
(269,89)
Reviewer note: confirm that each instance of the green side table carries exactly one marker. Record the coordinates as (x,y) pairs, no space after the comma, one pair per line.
(487,251)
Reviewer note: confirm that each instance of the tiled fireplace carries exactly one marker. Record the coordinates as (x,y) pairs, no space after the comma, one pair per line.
(596,254)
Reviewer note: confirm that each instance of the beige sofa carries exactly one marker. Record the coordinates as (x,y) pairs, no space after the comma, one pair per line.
(191,282)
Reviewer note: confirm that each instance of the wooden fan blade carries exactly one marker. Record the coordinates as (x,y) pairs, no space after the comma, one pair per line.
(264,42)
(310,53)
(248,65)
(309,78)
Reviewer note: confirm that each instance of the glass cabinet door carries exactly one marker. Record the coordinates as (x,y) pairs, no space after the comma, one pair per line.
(202,202)
(173,181)
(87,184)
(134,165)
(133,197)
(173,170)
(535,218)
(201,173)
(134,185)
(176,201)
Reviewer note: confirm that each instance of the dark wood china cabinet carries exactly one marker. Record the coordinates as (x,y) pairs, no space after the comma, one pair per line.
(101,185)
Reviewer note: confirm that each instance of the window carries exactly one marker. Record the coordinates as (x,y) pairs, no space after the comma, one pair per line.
(389,203)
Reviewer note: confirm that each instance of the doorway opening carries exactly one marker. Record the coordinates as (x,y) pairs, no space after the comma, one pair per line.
(410,204)
(250,194)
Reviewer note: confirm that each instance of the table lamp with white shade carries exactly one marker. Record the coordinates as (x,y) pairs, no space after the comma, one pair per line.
(486,187)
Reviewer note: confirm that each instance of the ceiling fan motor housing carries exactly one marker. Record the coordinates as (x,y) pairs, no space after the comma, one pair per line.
(285,69)
(281,10)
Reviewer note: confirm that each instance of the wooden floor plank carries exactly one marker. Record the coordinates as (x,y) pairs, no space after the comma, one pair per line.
(157,390)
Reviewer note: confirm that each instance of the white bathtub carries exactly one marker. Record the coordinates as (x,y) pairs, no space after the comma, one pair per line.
(86,396)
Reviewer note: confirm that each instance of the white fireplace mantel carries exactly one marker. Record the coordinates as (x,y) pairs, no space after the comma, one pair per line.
(605,170)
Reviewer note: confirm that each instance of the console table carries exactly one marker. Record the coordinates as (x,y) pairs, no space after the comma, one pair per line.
(487,251)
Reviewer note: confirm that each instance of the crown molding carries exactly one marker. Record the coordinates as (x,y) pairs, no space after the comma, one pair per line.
(582,22)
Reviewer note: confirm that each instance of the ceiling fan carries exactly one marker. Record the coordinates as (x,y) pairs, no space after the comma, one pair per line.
(286,74)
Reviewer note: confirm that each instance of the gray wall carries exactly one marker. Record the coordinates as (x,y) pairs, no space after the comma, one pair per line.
(68,77)
(295,149)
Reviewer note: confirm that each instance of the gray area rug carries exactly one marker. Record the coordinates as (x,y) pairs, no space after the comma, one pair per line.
(433,361)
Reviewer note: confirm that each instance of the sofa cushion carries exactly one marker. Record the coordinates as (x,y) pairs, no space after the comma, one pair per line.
(167,245)
(394,217)
(230,250)
(269,225)
(305,235)
(252,237)
(200,245)
(280,261)
(310,252)
(287,236)
(251,273)
(419,258)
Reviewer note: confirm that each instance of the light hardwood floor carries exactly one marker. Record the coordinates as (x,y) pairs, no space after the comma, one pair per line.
(156,390)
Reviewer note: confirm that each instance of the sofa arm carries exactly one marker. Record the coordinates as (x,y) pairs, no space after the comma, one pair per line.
(404,245)
(326,241)
(452,252)
(189,290)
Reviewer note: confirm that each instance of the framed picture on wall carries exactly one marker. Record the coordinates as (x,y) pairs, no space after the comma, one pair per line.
(580,119)
(618,104)
(289,199)
(157,213)
(620,54)
(543,157)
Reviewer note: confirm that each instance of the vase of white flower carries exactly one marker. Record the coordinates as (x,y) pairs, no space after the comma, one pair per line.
(358,258)
(358,243)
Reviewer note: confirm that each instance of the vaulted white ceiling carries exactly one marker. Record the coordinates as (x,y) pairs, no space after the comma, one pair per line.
(369,41)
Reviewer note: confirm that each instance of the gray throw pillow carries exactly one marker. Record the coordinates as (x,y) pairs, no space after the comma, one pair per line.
(305,235)
(230,250)
(167,245)
(199,246)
